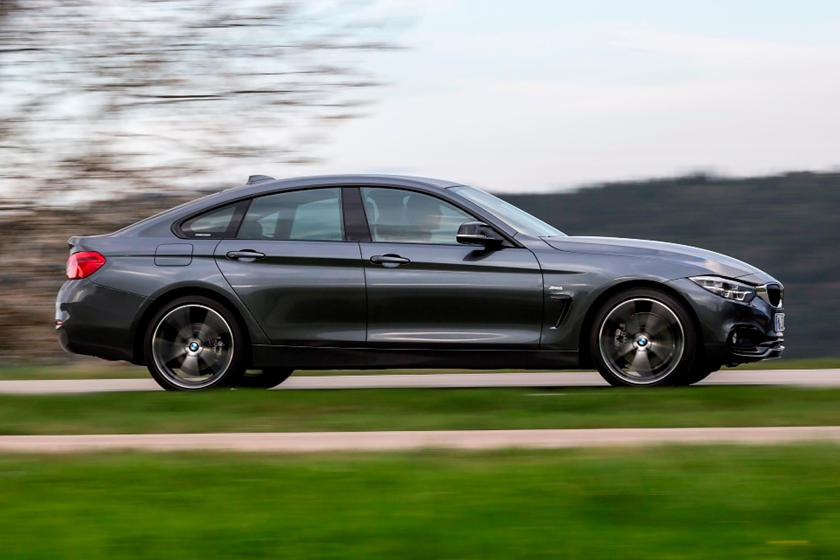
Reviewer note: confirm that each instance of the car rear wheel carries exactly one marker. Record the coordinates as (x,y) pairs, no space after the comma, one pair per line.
(643,337)
(194,343)
(265,379)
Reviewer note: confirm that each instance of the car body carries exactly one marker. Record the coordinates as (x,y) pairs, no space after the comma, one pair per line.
(375,271)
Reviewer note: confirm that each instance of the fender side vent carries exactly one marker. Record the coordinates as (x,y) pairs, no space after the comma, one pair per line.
(560,305)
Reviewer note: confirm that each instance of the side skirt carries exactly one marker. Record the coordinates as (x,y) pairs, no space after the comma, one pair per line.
(305,357)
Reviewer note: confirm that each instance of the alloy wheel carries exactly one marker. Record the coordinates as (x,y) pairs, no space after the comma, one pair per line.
(641,341)
(193,346)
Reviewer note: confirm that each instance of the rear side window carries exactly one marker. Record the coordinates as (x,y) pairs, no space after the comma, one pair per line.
(307,215)
(214,223)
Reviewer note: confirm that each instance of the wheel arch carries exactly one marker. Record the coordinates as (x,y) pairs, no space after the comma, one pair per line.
(589,319)
(169,296)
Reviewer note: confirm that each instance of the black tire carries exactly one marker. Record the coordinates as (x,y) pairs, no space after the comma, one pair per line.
(194,343)
(268,378)
(662,349)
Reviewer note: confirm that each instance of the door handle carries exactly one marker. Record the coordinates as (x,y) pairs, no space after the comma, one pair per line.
(389,260)
(246,255)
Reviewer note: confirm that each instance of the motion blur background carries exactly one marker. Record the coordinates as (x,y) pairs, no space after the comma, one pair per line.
(711,124)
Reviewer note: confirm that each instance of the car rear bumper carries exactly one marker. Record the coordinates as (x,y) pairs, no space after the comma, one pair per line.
(734,332)
(95,320)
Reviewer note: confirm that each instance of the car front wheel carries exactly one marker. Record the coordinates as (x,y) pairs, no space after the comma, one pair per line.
(643,337)
(194,343)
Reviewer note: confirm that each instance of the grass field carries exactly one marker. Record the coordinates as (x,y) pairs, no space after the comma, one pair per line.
(416,409)
(109,370)
(655,503)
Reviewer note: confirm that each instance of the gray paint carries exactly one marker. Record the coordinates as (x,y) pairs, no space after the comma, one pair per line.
(173,254)
(302,292)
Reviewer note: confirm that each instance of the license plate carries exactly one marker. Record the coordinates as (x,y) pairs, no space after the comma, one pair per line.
(779,322)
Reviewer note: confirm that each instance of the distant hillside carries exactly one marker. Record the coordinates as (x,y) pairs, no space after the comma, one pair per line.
(788,225)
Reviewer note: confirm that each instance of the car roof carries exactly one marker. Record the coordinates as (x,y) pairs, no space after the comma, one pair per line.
(262,183)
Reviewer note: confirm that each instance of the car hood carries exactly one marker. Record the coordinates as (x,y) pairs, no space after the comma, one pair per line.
(709,261)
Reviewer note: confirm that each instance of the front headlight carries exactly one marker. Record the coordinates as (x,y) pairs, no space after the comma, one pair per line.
(725,288)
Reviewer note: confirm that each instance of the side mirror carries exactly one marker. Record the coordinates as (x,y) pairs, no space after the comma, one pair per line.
(478,233)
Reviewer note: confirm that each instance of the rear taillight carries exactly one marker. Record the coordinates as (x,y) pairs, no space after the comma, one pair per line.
(83,264)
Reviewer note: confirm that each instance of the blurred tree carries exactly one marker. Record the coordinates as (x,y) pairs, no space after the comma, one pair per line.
(124,95)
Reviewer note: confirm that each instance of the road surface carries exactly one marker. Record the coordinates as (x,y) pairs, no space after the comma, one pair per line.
(789,377)
(298,442)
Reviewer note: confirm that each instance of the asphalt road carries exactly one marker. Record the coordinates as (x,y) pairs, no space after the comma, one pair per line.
(789,377)
(299,442)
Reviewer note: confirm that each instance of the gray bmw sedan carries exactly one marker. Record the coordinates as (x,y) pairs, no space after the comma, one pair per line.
(244,286)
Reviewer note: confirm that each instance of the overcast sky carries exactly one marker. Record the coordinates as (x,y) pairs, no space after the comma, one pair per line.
(540,95)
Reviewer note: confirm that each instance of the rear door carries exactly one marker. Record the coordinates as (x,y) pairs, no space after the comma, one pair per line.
(292,267)
(424,289)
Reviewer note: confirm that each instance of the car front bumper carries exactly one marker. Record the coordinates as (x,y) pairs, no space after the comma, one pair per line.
(734,332)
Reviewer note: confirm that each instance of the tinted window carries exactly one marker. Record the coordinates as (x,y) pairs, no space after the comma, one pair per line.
(308,215)
(210,224)
(401,216)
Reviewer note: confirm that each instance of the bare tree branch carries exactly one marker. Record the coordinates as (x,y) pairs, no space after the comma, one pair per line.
(110,96)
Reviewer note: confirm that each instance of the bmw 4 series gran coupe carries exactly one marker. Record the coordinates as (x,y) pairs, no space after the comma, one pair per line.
(354,271)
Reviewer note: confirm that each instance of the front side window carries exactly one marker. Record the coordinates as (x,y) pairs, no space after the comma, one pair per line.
(401,216)
(307,215)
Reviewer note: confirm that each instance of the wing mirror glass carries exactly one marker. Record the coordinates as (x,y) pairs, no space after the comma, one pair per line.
(478,233)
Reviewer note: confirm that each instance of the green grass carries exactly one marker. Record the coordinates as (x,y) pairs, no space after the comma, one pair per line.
(108,370)
(652,503)
(416,409)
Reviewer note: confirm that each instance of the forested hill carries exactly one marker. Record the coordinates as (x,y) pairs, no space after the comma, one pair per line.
(788,225)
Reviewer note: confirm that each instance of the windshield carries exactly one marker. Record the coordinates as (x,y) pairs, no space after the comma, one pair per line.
(518,219)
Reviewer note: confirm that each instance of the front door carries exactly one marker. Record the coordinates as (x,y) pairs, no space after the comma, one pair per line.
(425,289)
